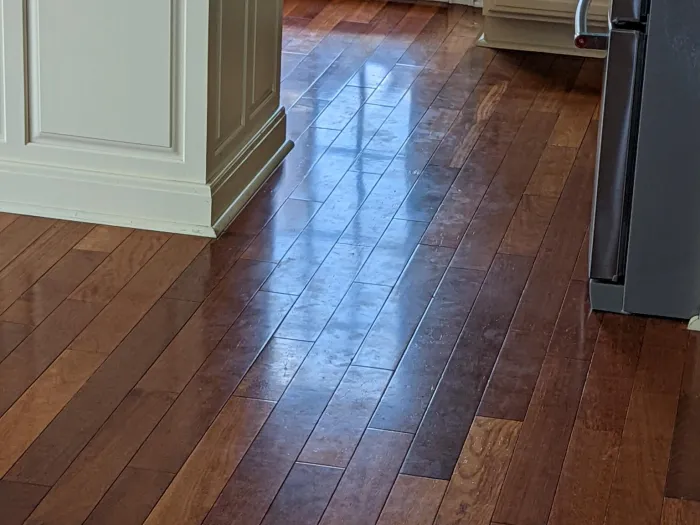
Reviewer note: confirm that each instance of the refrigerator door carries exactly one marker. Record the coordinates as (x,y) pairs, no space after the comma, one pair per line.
(616,145)
(628,10)
(663,269)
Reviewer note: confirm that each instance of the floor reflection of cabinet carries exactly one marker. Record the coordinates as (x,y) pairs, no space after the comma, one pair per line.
(538,25)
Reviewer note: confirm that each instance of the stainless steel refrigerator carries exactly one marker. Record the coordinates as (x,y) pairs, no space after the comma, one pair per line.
(645,234)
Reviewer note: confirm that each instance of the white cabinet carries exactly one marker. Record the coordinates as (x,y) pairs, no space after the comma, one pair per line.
(538,25)
(160,114)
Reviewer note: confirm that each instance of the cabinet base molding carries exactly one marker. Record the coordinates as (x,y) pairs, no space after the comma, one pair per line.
(532,35)
(136,202)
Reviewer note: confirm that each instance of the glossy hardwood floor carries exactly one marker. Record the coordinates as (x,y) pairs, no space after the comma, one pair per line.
(394,331)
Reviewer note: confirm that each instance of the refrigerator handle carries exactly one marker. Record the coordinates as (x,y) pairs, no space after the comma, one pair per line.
(583,38)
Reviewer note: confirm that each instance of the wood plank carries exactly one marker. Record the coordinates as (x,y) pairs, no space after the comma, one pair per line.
(394,86)
(390,335)
(680,512)
(11,335)
(273,369)
(430,189)
(55,449)
(445,426)
(129,306)
(253,486)
(393,251)
(6,219)
(552,171)
(367,481)
(683,480)
(465,78)
(637,492)
(82,486)
(281,232)
(130,498)
(29,360)
(433,34)
(42,401)
(42,298)
(463,37)
(546,288)
(207,327)
(37,259)
(531,481)
(514,376)
(118,269)
(479,474)
(197,485)
(304,495)
(18,234)
(303,114)
(342,424)
(178,433)
(417,376)
(366,11)
(343,108)
(528,226)
(17,500)
(413,501)
(491,220)
(211,264)
(324,292)
(562,77)
(104,239)
(576,330)
(581,268)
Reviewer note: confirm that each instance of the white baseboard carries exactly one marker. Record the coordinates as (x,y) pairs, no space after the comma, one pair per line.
(120,200)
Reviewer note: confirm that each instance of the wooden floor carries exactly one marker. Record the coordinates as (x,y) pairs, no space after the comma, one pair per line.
(394,331)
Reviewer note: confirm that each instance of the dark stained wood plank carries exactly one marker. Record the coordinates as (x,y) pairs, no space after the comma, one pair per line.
(562,77)
(281,232)
(18,234)
(303,114)
(17,501)
(586,477)
(546,288)
(209,266)
(531,481)
(444,428)
(40,300)
(79,490)
(253,486)
(104,239)
(424,199)
(11,335)
(394,86)
(309,9)
(304,495)
(479,474)
(208,326)
(413,501)
(321,297)
(56,448)
(528,226)
(399,318)
(289,62)
(393,251)
(186,422)
(118,269)
(514,376)
(465,78)
(431,37)
(552,171)
(129,306)
(368,479)
(385,57)
(462,37)
(618,347)
(680,512)
(576,330)
(321,24)
(490,223)
(29,360)
(342,424)
(197,485)
(273,369)
(42,401)
(130,498)
(463,198)
(417,376)
(343,108)
(6,219)
(581,268)
(37,259)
